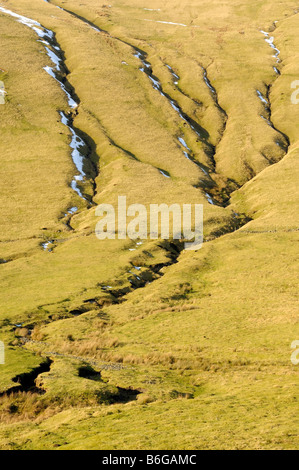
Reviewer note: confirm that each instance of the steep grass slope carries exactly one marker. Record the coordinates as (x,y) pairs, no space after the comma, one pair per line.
(192,349)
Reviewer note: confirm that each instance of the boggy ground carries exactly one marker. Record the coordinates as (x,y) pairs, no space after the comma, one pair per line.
(195,351)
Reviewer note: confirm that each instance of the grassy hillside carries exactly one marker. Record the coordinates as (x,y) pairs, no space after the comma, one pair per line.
(176,104)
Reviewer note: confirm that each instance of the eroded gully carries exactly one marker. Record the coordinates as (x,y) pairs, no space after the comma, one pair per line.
(201,134)
(54,52)
(223,197)
(80,148)
(59,73)
(283,141)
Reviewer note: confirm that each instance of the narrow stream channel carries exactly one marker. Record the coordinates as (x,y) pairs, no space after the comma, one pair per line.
(270,40)
(147,69)
(47,38)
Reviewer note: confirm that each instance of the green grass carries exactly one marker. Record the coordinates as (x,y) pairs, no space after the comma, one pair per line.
(207,345)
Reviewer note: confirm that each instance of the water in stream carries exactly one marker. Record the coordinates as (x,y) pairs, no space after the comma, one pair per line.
(47,38)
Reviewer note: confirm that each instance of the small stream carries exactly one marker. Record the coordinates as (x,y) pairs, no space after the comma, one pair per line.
(284,143)
(54,52)
(58,72)
(270,40)
(76,144)
(147,69)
